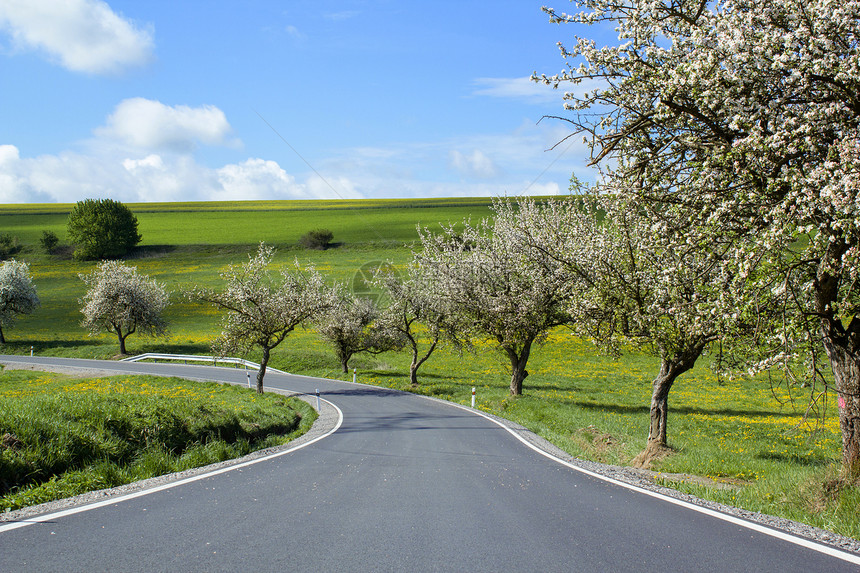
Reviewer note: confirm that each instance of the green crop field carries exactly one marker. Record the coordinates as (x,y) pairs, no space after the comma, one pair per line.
(250,222)
(741,442)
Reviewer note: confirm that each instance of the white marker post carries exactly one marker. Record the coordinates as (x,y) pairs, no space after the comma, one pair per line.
(318,399)
(473,396)
(353,376)
(31,351)
(248,374)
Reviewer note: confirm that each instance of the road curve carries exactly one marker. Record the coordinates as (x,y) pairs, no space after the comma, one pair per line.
(405,484)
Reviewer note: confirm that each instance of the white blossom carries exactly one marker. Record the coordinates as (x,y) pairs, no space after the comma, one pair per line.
(17,293)
(743,116)
(264,308)
(121,301)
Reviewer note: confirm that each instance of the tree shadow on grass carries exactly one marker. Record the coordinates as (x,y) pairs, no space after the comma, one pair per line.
(644,409)
(150,251)
(811,460)
(23,345)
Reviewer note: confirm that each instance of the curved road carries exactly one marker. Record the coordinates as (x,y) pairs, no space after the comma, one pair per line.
(404,484)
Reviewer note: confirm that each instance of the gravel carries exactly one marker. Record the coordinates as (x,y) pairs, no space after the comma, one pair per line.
(328,418)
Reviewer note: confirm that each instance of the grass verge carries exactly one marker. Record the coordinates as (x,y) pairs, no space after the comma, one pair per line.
(63,436)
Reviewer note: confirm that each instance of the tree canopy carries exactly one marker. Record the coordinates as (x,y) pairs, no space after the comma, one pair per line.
(741,119)
(264,308)
(482,274)
(122,301)
(102,229)
(17,293)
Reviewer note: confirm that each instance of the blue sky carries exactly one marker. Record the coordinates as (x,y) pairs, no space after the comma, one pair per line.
(175,100)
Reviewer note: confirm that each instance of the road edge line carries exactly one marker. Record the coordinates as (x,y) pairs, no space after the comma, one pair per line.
(757,527)
(178,483)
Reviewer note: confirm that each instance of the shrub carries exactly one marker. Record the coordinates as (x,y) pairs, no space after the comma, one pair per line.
(49,241)
(317,239)
(102,229)
(8,246)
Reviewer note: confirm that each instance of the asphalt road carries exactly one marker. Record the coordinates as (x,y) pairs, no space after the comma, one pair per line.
(404,484)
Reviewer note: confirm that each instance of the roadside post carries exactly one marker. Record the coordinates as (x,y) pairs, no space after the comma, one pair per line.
(318,399)
(248,374)
(353,375)
(473,396)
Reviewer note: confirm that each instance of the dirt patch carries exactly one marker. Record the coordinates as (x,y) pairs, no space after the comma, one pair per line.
(721,483)
(597,443)
(653,452)
(9,442)
(71,371)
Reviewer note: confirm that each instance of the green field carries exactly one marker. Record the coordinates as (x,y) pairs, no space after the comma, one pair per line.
(749,445)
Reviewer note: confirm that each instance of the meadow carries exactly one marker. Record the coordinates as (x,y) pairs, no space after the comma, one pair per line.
(744,442)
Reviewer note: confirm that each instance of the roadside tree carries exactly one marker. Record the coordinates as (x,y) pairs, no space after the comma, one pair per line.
(102,229)
(419,316)
(49,242)
(352,326)
(483,276)
(264,308)
(630,286)
(745,114)
(121,301)
(17,294)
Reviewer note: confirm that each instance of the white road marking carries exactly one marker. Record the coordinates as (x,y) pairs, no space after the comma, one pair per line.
(179,483)
(784,536)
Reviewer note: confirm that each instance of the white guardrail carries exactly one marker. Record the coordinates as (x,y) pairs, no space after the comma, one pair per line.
(213,360)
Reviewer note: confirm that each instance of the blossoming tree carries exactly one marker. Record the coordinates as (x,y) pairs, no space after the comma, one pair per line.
(744,114)
(17,293)
(352,325)
(121,301)
(480,272)
(263,308)
(419,316)
(628,286)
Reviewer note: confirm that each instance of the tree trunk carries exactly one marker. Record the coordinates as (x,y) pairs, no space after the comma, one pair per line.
(343,355)
(844,355)
(842,345)
(518,367)
(121,344)
(417,362)
(660,387)
(2,338)
(670,369)
(264,361)
(413,367)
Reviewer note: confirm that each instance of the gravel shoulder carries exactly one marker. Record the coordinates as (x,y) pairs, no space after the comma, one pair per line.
(328,418)
(325,422)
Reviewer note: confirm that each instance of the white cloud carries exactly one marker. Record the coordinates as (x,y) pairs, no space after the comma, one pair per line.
(150,124)
(257,179)
(70,177)
(475,164)
(82,35)
(517,88)
(295,33)
(524,89)
(148,162)
(144,153)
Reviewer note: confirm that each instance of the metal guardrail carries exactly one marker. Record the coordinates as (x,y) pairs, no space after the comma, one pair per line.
(213,360)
